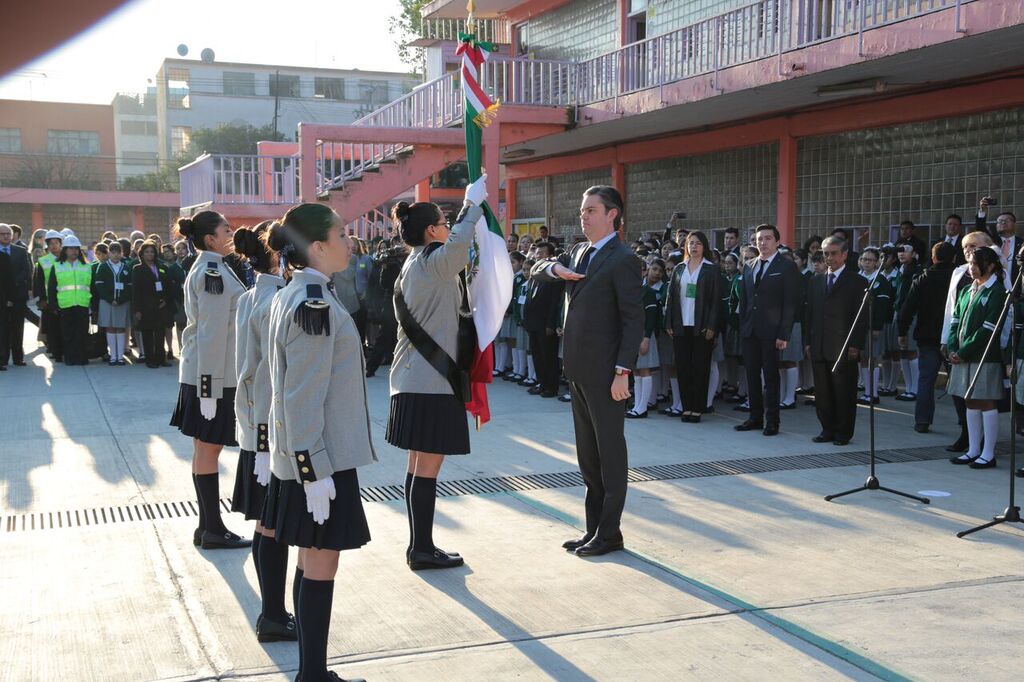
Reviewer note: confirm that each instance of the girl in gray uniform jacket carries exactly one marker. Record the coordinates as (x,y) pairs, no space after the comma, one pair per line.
(206,398)
(426,418)
(252,414)
(319,422)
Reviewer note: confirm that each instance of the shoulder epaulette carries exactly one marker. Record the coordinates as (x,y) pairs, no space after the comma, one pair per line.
(214,282)
(314,314)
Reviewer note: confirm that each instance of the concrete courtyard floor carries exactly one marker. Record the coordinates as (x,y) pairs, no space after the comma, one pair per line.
(728,575)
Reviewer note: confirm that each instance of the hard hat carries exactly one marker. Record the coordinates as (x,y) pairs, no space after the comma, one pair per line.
(53,234)
(72,241)
(68,232)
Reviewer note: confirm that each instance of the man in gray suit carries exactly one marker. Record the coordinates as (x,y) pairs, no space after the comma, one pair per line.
(603,327)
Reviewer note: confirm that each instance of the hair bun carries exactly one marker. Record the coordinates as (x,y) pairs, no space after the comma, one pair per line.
(186,227)
(401,211)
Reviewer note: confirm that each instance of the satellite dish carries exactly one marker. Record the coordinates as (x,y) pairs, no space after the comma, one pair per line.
(207,55)
(182,50)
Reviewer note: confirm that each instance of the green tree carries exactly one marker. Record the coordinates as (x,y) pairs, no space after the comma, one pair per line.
(406,28)
(230,139)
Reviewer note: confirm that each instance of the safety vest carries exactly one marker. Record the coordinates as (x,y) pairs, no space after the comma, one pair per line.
(73,281)
(46,262)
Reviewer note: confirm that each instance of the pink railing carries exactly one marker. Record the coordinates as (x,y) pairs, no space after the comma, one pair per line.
(240,179)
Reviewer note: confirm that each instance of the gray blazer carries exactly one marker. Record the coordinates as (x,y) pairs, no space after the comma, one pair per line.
(345,286)
(252,369)
(208,340)
(319,421)
(430,284)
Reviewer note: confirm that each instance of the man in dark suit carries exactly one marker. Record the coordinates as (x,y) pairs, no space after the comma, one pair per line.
(833,299)
(541,317)
(955,236)
(1004,236)
(16,273)
(768,309)
(731,242)
(603,327)
(906,236)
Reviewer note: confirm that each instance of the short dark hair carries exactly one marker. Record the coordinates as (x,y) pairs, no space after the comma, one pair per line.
(908,222)
(733,230)
(543,227)
(547,246)
(517,256)
(1001,213)
(768,226)
(100,248)
(844,233)
(810,240)
(954,215)
(943,252)
(610,198)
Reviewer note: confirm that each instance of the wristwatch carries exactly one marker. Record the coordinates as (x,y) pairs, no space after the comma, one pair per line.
(622,371)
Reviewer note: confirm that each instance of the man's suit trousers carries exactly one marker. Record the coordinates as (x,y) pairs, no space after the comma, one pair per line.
(601,451)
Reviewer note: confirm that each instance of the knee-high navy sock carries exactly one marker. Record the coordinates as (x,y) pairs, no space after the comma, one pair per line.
(209,498)
(421,507)
(296,587)
(408,506)
(257,539)
(199,502)
(315,601)
(274,567)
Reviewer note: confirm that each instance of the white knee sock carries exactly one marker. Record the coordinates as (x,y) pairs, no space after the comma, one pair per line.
(862,376)
(499,352)
(642,386)
(529,363)
(975,427)
(520,362)
(122,343)
(913,376)
(677,395)
(713,380)
(874,388)
(990,420)
(112,345)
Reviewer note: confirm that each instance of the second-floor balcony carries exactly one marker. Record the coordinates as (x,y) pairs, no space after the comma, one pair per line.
(239,179)
(495,31)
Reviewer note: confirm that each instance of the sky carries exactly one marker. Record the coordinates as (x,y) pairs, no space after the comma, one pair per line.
(123,52)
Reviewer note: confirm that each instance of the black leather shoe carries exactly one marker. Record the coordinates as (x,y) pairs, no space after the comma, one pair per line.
(419,561)
(197,537)
(749,425)
(333,677)
(19,363)
(549,394)
(771,430)
(1019,473)
(823,438)
(227,540)
(963,459)
(573,545)
(598,547)
(787,406)
(990,464)
(841,441)
(960,445)
(921,428)
(534,391)
(271,631)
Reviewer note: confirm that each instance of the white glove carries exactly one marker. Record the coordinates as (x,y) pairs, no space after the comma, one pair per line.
(262,468)
(476,193)
(208,408)
(318,498)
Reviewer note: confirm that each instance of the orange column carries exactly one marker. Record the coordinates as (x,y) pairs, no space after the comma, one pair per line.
(785,211)
(37,219)
(423,190)
(619,178)
(138,223)
(511,188)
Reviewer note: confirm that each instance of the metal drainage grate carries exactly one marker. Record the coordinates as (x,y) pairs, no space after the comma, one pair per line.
(483,486)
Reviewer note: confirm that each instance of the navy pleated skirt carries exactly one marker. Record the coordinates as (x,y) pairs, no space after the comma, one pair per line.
(190,421)
(346,527)
(248,496)
(428,422)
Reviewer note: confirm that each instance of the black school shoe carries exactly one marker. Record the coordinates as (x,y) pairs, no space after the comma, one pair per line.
(227,540)
(419,561)
(271,631)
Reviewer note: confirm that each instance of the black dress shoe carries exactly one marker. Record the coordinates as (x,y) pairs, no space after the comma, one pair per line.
(823,438)
(749,425)
(549,394)
(227,540)
(272,631)
(787,406)
(963,459)
(771,430)
(990,464)
(841,441)
(1019,473)
(960,445)
(921,428)
(19,363)
(598,547)
(419,561)
(333,677)
(633,414)
(534,391)
(573,545)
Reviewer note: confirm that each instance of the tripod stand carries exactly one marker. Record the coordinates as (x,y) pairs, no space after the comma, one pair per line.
(872,482)
(1012,512)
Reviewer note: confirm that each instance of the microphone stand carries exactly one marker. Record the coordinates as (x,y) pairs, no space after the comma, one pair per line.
(872,482)
(1012,512)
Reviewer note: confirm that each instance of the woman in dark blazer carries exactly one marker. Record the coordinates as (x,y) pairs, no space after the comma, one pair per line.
(693,309)
(152,303)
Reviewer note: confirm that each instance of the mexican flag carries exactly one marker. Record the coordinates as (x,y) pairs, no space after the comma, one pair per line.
(490,272)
